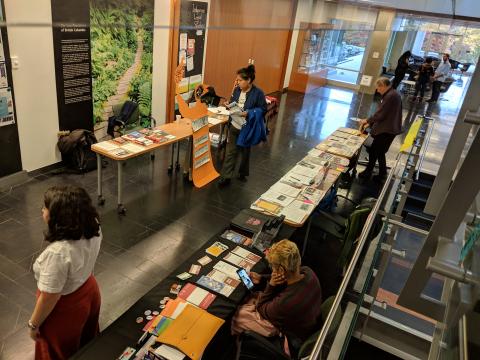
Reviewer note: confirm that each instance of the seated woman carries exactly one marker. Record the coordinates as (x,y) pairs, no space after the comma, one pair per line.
(291,300)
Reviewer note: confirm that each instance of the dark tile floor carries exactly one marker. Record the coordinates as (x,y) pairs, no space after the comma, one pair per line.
(167,219)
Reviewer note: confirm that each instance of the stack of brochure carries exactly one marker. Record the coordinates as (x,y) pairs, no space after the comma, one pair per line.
(299,191)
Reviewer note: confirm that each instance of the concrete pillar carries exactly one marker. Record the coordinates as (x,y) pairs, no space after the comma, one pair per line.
(378,43)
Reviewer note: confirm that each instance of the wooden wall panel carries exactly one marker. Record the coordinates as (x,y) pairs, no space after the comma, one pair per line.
(248,29)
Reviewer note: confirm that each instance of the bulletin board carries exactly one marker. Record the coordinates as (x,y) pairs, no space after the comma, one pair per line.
(191,44)
(11,161)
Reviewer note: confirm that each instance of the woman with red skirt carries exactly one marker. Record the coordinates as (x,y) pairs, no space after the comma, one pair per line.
(68,299)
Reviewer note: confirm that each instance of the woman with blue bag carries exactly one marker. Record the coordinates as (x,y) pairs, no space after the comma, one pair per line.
(247,126)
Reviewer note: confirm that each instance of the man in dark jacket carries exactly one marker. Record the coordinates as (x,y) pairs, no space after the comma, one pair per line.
(386,123)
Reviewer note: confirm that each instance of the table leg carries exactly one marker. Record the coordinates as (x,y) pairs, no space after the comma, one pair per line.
(100,198)
(187,162)
(177,164)
(170,167)
(120,208)
(305,239)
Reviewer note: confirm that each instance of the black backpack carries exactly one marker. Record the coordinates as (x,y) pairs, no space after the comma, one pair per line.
(76,152)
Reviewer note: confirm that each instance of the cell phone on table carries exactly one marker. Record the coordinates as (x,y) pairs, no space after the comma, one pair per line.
(243,275)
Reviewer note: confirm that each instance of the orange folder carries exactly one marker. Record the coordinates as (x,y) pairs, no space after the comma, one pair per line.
(191,331)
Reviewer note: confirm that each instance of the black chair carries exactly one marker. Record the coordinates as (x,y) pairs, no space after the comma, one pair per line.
(253,346)
(346,230)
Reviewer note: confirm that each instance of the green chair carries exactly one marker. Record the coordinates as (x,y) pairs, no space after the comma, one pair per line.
(346,230)
(308,345)
(253,346)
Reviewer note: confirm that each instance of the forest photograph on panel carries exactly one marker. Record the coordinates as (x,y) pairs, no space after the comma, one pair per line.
(121,35)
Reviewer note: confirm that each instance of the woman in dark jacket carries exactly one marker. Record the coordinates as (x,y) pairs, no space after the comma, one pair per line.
(248,97)
(401,69)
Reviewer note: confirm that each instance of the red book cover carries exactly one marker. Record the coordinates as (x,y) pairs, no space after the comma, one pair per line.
(197,296)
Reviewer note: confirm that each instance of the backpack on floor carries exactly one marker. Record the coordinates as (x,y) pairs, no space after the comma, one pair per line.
(76,152)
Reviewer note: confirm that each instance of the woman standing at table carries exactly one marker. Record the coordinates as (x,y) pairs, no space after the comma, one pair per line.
(251,100)
(68,299)
(401,70)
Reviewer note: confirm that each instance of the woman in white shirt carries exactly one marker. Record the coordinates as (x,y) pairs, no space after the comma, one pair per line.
(68,299)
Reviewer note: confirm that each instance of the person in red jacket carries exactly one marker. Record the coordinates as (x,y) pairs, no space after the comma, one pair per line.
(386,123)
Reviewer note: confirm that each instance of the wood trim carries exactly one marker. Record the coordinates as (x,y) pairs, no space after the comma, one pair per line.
(172,58)
(289,43)
(303,82)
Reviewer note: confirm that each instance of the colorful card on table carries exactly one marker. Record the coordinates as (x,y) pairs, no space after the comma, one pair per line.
(223,278)
(175,288)
(204,260)
(215,286)
(217,248)
(239,261)
(196,296)
(227,269)
(235,237)
(244,253)
(194,269)
(184,276)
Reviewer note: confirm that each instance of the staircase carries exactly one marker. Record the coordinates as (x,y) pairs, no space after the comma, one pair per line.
(415,204)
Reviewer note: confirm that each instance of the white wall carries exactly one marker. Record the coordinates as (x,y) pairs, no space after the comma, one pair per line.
(160,60)
(34,81)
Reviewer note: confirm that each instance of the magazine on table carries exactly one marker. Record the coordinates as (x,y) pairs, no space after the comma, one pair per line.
(297,211)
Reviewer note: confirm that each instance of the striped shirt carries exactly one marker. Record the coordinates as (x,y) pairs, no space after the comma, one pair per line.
(294,309)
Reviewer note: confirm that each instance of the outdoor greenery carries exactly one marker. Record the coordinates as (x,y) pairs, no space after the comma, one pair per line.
(115,27)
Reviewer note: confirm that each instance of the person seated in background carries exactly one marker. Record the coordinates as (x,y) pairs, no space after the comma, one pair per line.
(290,302)
(425,75)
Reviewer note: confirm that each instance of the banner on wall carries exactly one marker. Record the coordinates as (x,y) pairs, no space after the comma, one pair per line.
(71,47)
(9,139)
(103,57)
(191,43)
(122,56)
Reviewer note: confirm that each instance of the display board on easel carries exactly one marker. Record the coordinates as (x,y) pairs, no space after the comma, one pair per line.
(202,169)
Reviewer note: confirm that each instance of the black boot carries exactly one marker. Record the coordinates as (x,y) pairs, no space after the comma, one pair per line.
(223,182)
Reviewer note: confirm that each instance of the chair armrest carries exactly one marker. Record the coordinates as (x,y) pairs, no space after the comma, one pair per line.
(346,198)
(331,218)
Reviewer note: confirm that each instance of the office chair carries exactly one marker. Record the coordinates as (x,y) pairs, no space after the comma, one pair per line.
(346,230)
(253,346)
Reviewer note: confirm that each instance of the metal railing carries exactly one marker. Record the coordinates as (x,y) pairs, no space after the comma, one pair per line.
(346,279)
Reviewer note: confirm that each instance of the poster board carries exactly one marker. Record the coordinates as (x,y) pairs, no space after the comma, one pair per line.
(191,44)
(11,162)
(202,167)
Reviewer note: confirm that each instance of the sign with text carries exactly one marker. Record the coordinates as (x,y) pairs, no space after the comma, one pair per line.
(71,46)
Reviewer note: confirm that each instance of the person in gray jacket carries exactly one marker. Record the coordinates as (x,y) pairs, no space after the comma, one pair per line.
(386,123)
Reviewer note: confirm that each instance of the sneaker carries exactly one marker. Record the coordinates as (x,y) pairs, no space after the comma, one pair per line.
(365,174)
(242,178)
(223,182)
